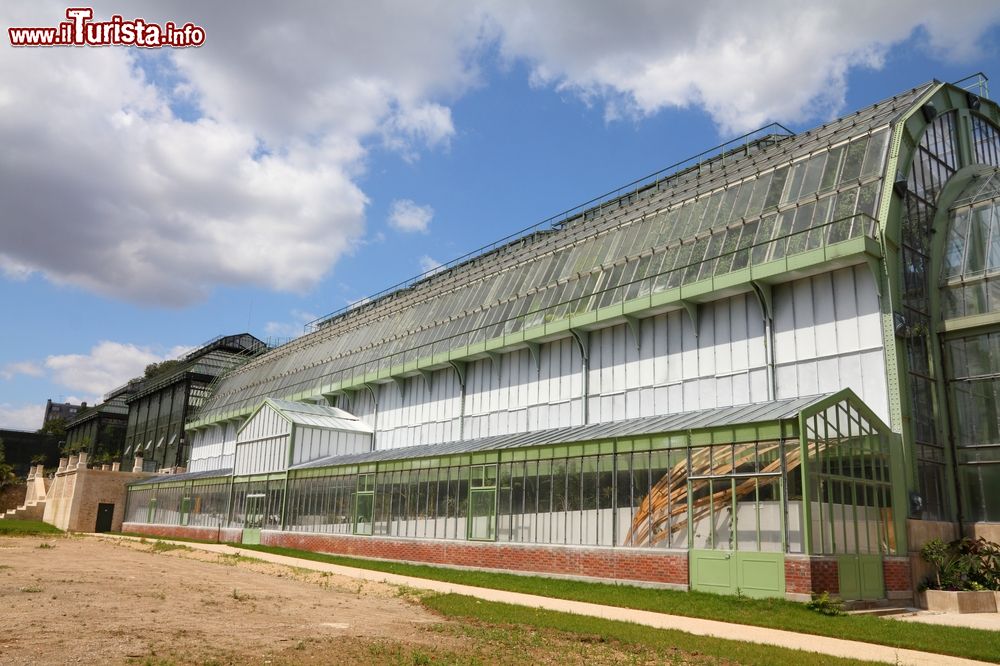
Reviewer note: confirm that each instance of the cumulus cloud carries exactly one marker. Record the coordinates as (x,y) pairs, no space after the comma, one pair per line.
(406,215)
(289,329)
(429,264)
(107,366)
(27,368)
(164,175)
(745,63)
(21,417)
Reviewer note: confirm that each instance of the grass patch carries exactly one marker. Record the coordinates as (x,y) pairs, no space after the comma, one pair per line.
(146,537)
(164,547)
(46,545)
(774,613)
(663,641)
(9,527)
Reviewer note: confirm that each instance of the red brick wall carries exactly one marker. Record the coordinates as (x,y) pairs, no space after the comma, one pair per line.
(612,564)
(805,575)
(231,534)
(607,563)
(896,572)
(174,531)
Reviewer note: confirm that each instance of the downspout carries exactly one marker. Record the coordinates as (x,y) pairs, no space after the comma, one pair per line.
(583,344)
(371,390)
(764,298)
(459,367)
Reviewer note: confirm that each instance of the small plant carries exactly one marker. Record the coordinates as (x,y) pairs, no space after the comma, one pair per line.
(46,546)
(164,547)
(240,596)
(824,605)
(32,589)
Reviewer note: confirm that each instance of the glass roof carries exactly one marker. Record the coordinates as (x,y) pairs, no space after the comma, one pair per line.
(703,419)
(776,197)
(319,416)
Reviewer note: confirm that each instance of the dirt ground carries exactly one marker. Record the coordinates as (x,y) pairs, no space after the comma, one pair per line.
(78,600)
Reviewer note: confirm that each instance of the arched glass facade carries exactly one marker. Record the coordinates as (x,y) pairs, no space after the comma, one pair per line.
(970,286)
(935,161)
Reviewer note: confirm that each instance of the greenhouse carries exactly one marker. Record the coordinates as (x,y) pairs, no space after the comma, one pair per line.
(737,373)
(736,487)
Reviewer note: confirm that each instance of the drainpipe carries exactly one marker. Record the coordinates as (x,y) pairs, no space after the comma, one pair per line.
(764,298)
(371,390)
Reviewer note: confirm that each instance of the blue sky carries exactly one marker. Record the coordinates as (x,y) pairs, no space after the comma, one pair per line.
(155,200)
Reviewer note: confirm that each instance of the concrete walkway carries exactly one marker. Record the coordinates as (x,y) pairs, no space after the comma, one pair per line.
(741,632)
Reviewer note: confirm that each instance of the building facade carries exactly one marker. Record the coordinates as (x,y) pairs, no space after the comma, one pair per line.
(100,430)
(159,404)
(66,411)
(766,371)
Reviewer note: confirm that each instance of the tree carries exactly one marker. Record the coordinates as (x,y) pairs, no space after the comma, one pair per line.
(156,369)
(54,426)
(7,475)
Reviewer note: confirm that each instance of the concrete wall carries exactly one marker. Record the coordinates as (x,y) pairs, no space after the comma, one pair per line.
(988,531)
(76,491)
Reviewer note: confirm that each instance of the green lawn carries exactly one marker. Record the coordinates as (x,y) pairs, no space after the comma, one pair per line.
(774,613)
(663,642)
(10,527)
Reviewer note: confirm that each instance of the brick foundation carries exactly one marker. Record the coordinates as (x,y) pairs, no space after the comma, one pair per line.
(664,568)
(896,572)
(806,575)
(214,534)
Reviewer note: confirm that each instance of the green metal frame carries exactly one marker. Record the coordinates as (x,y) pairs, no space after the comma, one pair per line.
(907,133)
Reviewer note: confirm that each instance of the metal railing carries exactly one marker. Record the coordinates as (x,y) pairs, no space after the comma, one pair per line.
(978,83)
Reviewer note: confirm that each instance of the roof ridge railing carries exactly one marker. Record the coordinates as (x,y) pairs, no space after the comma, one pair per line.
(978,83)
(556,221)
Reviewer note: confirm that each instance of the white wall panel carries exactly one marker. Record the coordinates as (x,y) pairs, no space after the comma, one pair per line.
(420,415)
(828,336)
(676,370)
(213,448)
(262,455)
(315,443)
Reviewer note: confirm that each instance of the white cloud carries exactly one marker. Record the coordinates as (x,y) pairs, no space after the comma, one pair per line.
(260,189)
(27,368)
(107,366)
(21,417)
(237,163)
(289,329)
(406,215)
(429,264)
(745,63)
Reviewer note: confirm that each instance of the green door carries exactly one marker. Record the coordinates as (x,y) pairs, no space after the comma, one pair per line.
(254,519)
(860,577)
(185,510)
(736,530)
(713,571)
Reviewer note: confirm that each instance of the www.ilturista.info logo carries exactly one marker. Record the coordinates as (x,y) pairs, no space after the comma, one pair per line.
(80,30)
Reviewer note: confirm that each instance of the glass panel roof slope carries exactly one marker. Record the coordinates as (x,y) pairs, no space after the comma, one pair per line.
(772,197)
(704,419)
(319,416)
(188,476)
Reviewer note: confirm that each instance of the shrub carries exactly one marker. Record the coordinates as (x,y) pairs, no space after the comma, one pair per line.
(962,565)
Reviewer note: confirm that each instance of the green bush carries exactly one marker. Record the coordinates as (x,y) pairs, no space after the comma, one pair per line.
(962,565)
